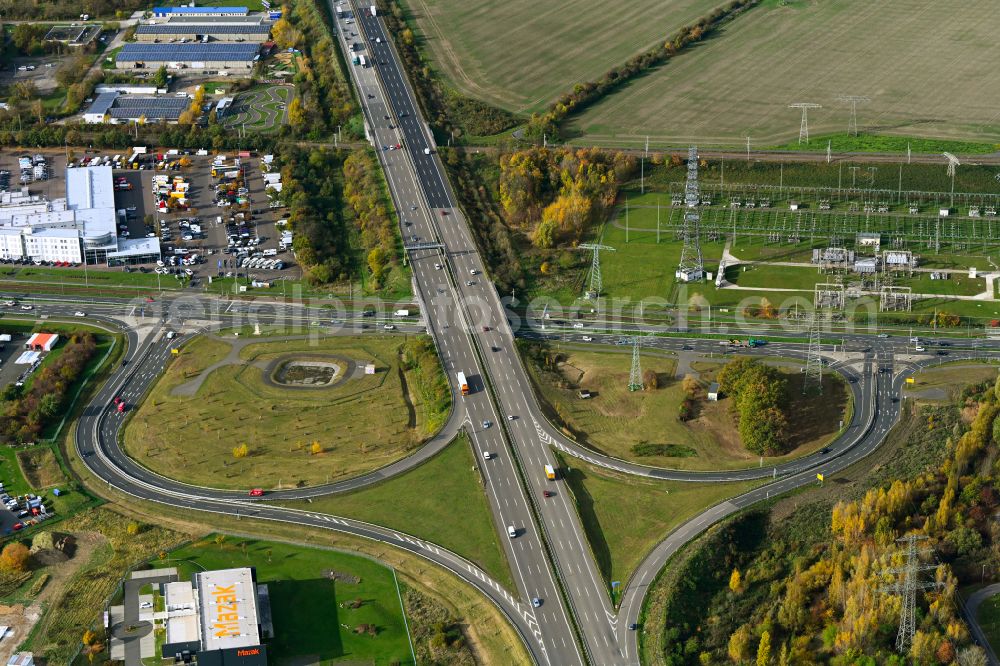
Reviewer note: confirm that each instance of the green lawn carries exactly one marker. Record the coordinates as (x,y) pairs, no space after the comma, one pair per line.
(989,620)
(950,378)
(362,423)
(625,517)
(312,617)
(442,501)
(644,426)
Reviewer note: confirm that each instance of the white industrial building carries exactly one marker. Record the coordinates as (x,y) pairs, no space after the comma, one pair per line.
(116,108)
(81,227)
(192,10)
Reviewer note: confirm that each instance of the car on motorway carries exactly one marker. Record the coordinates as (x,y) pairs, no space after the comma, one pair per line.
(437,267)
(511,532)
(487,455)
(469,283)
(825,450)
(27,307)
(578,324)
(256,492)
(511,417)
(587,338)
(536,602)
(486,329)
(18,526)
(547,493)
(486,424)
(473,271)
(883,335)
(388,327)
(79,313)
(10,304)
(919,348)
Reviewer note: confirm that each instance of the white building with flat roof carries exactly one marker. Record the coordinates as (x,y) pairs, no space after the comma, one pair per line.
(81,227)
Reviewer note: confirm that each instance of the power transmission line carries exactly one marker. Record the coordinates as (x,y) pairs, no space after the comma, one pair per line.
(596,284)
(804,124)
(691,267)
(635,374)
(906,585)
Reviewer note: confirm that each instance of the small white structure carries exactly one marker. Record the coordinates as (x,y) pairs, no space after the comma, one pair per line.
(21,659)
(944,212)
(713,392)
(370,369)
(793,205)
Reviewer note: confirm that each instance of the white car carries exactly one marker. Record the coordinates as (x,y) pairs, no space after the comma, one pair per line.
(487,455)
(78,313)
(146,604)
(437,267)
(587,338)
(389,327)
(27,307)
(919,348)
(578,324)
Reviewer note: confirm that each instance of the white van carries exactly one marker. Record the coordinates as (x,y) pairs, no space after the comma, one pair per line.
(511,532)
(270,252)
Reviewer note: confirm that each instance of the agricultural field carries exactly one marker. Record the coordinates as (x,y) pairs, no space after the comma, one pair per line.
(923,70)
(520,55)
(209,420)
(645,426)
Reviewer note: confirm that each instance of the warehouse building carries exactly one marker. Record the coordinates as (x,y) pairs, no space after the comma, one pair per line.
(79,228)
(215,618)
(234,58)
(202,32)
(166,12)
(115,108)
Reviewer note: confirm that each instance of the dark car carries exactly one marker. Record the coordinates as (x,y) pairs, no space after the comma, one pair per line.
(547,493)
(825,450)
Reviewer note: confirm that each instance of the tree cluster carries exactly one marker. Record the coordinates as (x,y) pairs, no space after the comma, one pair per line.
(758,397)
(554,194)
(324,99)
(811,582)
(25,415)
(313,193)
(585,94)
(365,193)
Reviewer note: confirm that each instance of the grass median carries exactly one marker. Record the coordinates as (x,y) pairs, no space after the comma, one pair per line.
(625,516)
(442,501)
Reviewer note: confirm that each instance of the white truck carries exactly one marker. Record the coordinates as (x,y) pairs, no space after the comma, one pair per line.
(363,60)
(374,10)
(402,313)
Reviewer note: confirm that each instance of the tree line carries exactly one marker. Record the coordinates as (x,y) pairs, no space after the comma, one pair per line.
(25,414)
(366,194)
(585,94)
(420,359)
(758,398)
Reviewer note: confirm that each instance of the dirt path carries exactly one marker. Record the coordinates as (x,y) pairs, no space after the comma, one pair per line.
(21,618)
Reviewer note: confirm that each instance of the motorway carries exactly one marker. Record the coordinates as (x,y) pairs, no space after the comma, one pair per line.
(574,621)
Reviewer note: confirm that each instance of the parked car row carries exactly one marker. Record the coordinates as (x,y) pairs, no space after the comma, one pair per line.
(263,263)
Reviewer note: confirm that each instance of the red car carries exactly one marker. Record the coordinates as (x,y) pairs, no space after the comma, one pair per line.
(121,407)
(256,492)
(18,526)
(547,493)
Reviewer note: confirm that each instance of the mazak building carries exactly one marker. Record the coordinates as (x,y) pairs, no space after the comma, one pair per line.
(214,619)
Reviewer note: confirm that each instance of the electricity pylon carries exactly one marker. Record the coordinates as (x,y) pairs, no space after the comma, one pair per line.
(804,124)
(828,297)
(691,267)
(595,268)
(635,374)
(853,100)
(906,585)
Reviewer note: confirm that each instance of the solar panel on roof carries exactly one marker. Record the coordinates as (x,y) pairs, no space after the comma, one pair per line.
(187,52)
(201,29)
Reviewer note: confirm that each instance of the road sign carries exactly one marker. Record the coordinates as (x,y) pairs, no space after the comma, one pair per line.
(910,380)
(175,351)
(819,476)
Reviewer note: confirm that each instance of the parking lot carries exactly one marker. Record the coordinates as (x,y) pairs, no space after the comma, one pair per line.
(199,238)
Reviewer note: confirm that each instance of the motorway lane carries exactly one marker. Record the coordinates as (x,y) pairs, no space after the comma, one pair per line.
(417,192)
